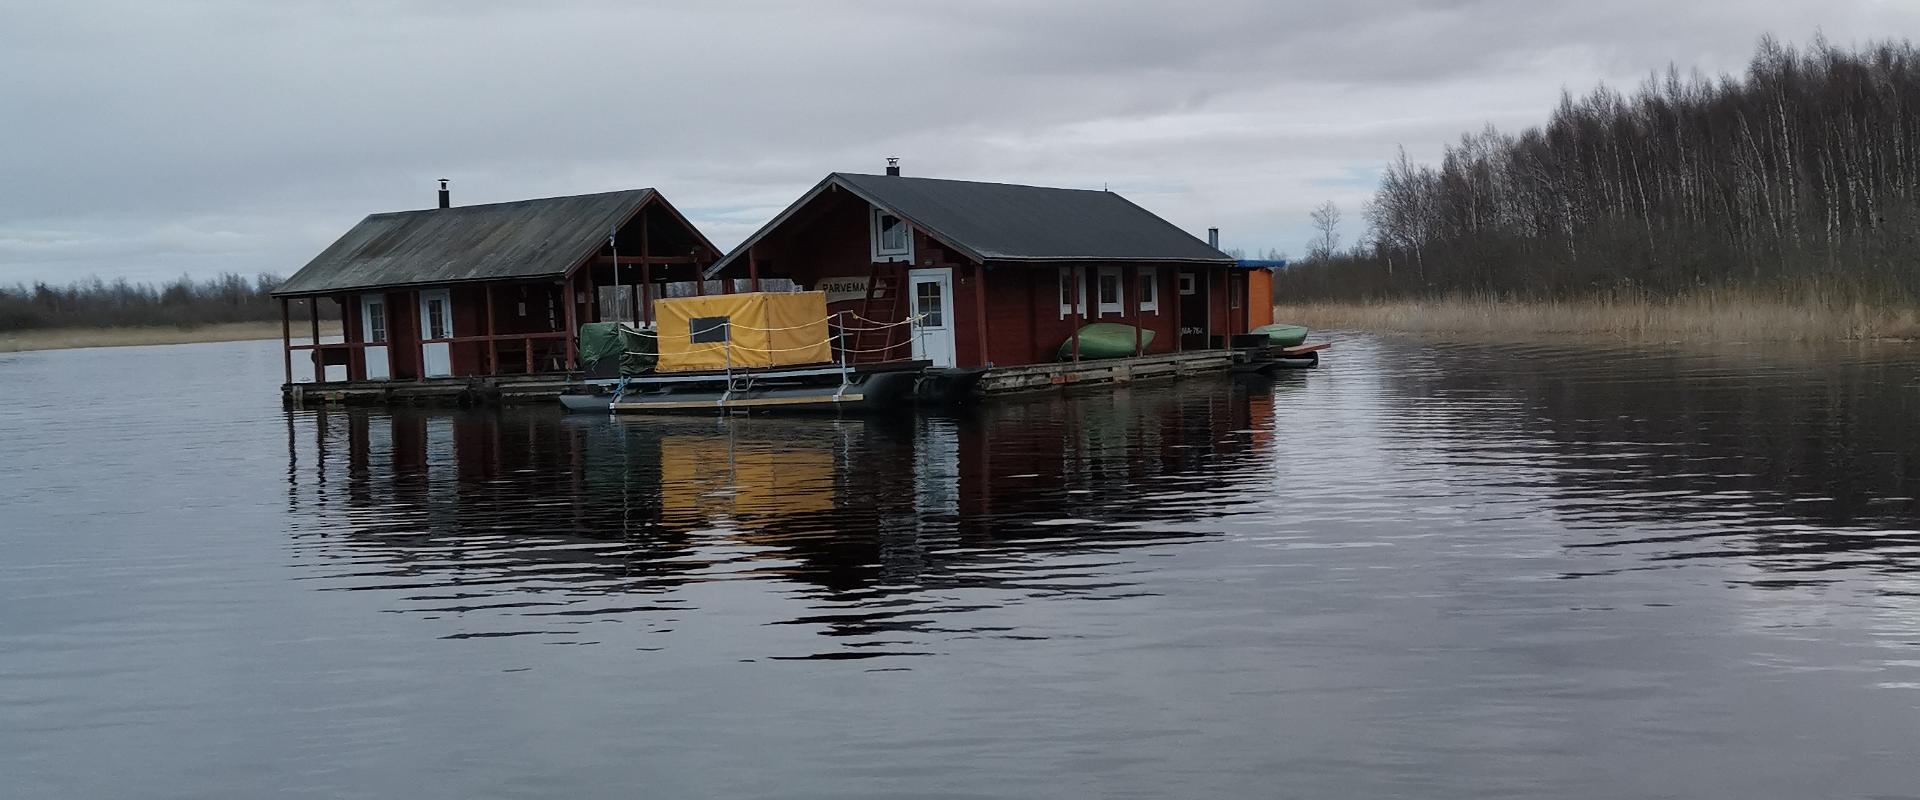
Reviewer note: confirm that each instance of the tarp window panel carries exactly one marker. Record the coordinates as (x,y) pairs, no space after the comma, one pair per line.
(753,329)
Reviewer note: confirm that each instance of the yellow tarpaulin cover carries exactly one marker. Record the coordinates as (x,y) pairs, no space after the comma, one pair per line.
(755,329)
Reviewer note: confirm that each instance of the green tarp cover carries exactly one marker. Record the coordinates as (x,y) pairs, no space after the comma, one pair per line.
(1105,340)
(636,349)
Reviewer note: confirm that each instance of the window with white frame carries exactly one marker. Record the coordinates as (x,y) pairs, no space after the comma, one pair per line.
(1070,289)
(1112,293)
(1150,289)
(376,322)
(891,237)
(1186,283)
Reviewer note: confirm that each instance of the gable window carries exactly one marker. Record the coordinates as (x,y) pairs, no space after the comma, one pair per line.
(1069,290)
(1113,295)
(892,239)
(1150,289)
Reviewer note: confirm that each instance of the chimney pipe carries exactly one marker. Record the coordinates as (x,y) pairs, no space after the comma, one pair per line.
(893,167)
(446,197)
(1213,238)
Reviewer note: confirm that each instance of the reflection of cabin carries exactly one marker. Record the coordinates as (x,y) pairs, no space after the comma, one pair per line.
(997,274)
(487,290)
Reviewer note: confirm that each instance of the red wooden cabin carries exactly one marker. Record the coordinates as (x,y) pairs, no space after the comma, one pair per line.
(488,290)
(996,274)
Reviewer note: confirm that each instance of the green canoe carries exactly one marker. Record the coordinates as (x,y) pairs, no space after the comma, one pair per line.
(1105,340)
(1283,335)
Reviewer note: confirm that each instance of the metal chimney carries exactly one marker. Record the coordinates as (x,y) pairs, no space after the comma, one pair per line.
(893,167)
(446,197)
(1213,238)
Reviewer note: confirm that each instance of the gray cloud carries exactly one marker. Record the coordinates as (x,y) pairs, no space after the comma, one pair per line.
(147,140)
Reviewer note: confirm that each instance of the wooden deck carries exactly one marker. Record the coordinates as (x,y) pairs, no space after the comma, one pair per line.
(1167,366)
(463,391)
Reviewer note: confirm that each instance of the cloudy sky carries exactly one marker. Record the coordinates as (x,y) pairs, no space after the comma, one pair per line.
(147,139)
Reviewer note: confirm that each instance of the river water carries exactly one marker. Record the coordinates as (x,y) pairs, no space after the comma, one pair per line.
(1422,570)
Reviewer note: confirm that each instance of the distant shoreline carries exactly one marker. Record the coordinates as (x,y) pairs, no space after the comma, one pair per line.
(1700,318)
(72,338)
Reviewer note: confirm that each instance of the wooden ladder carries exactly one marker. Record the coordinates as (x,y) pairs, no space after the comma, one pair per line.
(880,309)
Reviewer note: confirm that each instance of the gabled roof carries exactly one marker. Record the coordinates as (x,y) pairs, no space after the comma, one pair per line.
(1010,222)
(539,238)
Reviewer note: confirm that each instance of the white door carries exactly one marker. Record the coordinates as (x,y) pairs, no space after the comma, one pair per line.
(436,322)
(931,293)
(373,331)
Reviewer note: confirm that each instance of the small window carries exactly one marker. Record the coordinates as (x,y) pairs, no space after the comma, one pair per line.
(927,304)
(889,234)
(1234,289)
(1186,283)
(1069,289)
(707,330)
(1150,289)
(1112,293)
(376,322)
(436,318)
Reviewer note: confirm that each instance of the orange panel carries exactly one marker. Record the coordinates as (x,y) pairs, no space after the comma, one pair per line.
(1259,298)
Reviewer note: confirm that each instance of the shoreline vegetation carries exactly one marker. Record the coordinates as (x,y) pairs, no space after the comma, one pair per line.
(132,336)
(1780,204)
(1703,317)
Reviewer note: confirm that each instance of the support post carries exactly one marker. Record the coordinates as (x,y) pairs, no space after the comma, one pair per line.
(313,319)
(567,340)
(286,337)
(1131,281)
(1079,311)
(526,346)
(419,338)
(493,351)
(645,313)
(753,271)
(1208,325)
(980,310)
(1179,326)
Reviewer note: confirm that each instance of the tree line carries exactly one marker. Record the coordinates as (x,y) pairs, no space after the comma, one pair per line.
(1802,173)
(95,303)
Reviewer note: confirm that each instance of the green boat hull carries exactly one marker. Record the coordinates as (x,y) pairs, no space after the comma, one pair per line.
(1106,340)
(1283,335)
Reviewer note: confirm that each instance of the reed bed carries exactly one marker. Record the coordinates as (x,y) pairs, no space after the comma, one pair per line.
(69,338)
(1705,316)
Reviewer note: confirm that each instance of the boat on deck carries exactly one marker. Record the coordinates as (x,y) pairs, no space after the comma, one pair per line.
(756,352)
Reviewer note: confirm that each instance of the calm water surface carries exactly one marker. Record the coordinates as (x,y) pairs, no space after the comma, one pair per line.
(1432,571)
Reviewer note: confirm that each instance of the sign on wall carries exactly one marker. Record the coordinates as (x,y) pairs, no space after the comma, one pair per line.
(840,290)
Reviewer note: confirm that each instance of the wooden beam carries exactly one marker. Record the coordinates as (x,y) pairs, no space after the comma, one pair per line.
(980,310)
(1179,327)
(753,270)
(1130,279)
(1079,313)
(313,317)
(634,261)
(567,286)
(286,336)
(643,303)
(493,354)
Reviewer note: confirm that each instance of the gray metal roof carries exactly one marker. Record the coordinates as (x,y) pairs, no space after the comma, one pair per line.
(1010,222)
(522,239)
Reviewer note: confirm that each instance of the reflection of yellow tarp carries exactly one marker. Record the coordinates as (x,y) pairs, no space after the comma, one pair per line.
(762,479)
(762,329)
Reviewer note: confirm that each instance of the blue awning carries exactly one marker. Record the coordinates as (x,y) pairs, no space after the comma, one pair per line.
(1261,263)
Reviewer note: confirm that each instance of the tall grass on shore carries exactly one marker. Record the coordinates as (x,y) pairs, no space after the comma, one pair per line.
(74,338)
(1705,316)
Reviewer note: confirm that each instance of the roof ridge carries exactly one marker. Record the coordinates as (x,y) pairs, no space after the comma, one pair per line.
(521,201)
(975,183)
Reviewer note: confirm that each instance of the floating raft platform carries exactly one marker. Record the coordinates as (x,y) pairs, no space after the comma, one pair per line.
(1093,372)
(460,391)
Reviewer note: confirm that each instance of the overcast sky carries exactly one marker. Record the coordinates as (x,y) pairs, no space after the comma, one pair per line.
(150,139)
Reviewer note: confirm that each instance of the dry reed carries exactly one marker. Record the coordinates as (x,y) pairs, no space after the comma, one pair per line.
(1702,316)
(68,338)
